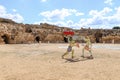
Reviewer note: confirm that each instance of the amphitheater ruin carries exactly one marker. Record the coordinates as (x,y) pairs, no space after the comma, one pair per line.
(19,33)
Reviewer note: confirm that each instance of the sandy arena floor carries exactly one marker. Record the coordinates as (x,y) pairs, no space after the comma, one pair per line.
(43,62)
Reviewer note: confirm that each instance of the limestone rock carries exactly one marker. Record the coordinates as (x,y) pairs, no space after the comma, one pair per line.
(17,33)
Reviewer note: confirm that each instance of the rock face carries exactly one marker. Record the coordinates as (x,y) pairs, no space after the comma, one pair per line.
(18,33)
(11,34)
(3,20)
(54,38)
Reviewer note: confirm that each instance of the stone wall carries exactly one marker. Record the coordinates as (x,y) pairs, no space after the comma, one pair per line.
(17,33)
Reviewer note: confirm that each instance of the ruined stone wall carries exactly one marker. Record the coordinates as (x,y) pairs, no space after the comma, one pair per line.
(14,33)
(17,33)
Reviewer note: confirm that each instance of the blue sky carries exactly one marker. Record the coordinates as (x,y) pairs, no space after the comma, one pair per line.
(67,13)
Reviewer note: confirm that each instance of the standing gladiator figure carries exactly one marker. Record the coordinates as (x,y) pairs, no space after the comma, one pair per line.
(70,49)
(88,47)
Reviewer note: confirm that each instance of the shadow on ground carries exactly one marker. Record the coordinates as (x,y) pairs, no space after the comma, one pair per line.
(76,59)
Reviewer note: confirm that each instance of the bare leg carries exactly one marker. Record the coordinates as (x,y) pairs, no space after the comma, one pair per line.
(90,54)
(82,53)
(85,48)
(64,55)
(72,53)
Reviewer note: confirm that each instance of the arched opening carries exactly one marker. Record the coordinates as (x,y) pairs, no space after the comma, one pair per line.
(28,30)
(37,38)
(5,38)
(98,37)
(65,39)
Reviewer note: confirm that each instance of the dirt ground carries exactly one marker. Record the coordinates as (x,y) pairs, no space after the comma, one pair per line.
(44,62)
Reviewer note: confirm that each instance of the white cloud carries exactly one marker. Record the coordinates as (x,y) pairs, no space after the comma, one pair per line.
(43,0)
(117,10)
(2,9)
(79,14)
(106,18)
(109,2)
(60,14)
(100,13)
(102,19)
(14,10)
(4,14)
(68,23)
(58,23)
(56,14)
(58,17)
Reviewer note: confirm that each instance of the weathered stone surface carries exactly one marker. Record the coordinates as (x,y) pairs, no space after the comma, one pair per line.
(17,33)
(3,20)
(54,38)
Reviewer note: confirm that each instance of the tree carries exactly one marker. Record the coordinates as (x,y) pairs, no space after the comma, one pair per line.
(116,27)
